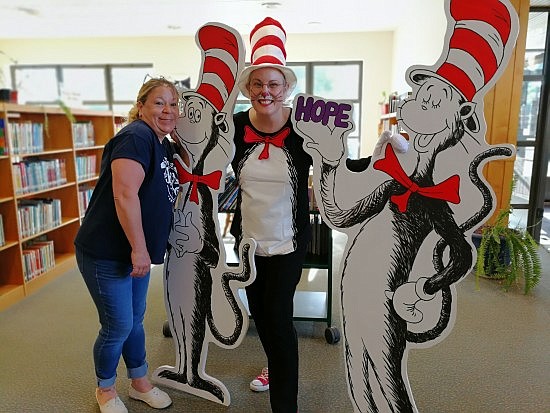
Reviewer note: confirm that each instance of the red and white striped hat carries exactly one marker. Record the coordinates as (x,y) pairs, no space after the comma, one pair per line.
(479,47)
(267,41)
(221,49)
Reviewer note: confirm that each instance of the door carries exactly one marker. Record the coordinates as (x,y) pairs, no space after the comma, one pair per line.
(531,172)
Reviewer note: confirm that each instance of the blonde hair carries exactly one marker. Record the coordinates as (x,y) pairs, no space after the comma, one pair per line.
(144,92)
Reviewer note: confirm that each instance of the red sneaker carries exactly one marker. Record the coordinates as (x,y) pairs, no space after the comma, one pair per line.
(261,383)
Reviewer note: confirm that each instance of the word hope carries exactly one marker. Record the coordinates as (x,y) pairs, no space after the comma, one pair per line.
(320,111)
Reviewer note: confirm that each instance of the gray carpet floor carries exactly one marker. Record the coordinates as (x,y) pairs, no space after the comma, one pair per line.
(495,360)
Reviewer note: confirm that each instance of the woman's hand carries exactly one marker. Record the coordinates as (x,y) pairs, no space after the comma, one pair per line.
(141,263)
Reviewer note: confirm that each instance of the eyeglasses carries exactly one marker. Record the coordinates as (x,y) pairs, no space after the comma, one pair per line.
(273,86)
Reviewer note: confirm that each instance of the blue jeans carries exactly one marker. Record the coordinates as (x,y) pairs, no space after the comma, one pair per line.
(120,301)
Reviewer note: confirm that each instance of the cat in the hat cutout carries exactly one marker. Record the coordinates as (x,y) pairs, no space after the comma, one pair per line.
(201,297)
(409,216)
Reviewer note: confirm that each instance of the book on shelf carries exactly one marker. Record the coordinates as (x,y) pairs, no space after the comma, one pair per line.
(395,101)
(3,146)
(2,235)
(86,166)
(313,243)
(227,198)
(83,134)
(37,215)
(38,257)
(35,174)
(312,201)
(84,196)
(26,137)
(229,204)
(319,236)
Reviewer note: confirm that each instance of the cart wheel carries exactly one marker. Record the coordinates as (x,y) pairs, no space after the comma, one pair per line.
(332,335)
(166,329)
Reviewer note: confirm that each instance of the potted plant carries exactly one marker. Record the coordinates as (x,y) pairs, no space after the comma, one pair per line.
(4,91)
(507,254)
(383,103)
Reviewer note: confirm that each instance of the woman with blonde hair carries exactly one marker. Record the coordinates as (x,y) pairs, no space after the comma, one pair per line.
(124,231)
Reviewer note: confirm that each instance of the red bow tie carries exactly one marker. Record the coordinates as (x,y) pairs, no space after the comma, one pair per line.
(446,190)
(212,180)
(278,140)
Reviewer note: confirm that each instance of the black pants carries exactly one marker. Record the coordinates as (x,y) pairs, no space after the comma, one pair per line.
(270,300)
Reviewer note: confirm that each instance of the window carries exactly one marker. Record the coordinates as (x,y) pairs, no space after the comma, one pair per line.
(114,87)
(529,110)
(36,84)
(338,81)
(98,87)
(530,171)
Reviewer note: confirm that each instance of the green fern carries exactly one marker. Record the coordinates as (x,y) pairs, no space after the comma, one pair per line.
(66,110)
(524,261)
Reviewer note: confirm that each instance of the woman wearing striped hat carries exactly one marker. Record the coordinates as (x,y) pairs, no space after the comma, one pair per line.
(272,170)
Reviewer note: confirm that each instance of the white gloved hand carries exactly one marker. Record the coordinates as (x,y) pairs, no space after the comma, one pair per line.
(399,143)
(406,298)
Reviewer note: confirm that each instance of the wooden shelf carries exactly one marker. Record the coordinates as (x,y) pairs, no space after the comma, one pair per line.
(10,294)
(88,180)
(59,144)
(7,245)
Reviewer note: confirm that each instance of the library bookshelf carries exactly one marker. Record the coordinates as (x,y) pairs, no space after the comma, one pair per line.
(388,117)
(45,166)
(388,121)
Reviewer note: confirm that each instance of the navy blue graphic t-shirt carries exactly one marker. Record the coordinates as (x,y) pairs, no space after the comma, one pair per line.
(101,234)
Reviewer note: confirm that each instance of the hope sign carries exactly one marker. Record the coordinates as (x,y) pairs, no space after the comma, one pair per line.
(320,111)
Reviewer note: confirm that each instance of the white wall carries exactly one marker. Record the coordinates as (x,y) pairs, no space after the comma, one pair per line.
(418,41)
(385,56)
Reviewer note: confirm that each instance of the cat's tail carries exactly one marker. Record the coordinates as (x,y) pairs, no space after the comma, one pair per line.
(441,325)
(472,222)
(243,276)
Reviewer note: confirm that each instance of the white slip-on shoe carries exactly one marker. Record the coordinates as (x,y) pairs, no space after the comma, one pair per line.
(155,397)
(115,405)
